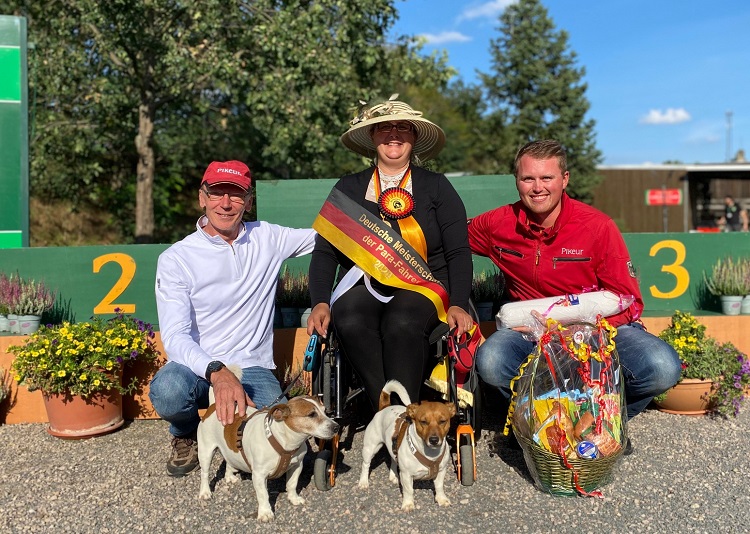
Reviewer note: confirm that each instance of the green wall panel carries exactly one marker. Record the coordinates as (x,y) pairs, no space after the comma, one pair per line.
(669,266)
(14,153)
(296,203)
(85,277)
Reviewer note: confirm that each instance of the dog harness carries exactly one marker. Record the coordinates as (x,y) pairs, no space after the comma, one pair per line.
(399,432)
(233,437)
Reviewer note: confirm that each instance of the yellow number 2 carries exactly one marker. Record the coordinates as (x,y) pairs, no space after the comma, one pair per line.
(680,273)
(127,264)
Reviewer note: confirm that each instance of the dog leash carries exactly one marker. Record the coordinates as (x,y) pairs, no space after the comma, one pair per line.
(288,388)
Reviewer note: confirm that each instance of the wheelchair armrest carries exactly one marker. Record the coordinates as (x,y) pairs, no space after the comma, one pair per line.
(438,333)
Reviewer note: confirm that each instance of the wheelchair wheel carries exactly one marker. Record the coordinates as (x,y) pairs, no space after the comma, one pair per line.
(322,470)
(466,455)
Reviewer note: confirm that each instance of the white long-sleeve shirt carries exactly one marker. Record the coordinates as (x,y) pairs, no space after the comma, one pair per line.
(215,301)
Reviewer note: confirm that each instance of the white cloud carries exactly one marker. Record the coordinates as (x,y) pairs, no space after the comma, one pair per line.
(488,9)
(445,37)
(705,133)
(668,116)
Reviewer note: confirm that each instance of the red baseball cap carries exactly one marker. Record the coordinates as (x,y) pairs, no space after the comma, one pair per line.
(228,172)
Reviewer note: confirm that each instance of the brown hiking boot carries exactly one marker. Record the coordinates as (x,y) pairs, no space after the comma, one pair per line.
(184,457)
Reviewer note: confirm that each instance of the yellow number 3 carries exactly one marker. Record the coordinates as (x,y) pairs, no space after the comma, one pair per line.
(680,273)
(127,264)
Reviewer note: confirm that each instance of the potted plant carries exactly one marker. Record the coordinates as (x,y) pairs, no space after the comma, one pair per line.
(4,385)
(486,290)
(292,297)
(78,366)
(32,300)
(299,383)
(730,281)
(715,376)
(10,292)
(745,268)
(5,300)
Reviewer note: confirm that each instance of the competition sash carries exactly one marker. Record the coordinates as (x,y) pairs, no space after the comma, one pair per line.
(377,249)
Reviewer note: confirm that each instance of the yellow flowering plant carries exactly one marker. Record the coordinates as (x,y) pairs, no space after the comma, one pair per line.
(705,358)
(83,358)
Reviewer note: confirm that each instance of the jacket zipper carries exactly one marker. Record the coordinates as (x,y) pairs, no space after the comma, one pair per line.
(509,251)
(566,260)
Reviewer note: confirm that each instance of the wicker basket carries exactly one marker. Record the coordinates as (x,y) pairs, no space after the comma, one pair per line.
(552,476)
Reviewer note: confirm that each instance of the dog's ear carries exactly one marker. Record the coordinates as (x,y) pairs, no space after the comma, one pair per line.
(411,410)
(451,408)
(280,412)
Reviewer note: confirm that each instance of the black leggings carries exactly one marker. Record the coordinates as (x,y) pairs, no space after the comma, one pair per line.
(386,341)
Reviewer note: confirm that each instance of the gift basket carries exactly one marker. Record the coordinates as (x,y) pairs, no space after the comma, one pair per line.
(568,407)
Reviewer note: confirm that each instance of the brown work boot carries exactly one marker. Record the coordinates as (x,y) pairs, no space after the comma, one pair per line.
(184,457)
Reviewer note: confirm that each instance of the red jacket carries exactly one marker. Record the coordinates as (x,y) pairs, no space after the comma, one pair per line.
(583,251)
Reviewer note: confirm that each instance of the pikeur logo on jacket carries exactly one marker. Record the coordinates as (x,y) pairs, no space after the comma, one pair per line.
(583,251)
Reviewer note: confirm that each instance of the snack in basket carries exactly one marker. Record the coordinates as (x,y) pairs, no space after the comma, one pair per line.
(558,441)
(606,444)
(562,415)
(587,450)
(564,308)
(584,423)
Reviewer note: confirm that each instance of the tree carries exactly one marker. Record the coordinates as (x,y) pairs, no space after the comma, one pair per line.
(133,98)
(536,91)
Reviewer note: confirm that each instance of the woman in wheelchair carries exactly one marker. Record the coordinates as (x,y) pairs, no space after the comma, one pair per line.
(397,235)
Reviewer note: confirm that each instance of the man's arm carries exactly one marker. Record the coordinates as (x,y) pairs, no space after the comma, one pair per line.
(480,237)
(175,325)
(295,242)
(174,310)
(616,273)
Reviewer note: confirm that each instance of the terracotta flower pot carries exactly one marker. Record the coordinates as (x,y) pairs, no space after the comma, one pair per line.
(690,396)
(74,417)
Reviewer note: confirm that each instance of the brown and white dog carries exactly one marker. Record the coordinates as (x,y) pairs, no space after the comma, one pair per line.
(268,443)
(415,438)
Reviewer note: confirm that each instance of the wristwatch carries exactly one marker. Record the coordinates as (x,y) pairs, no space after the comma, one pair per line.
(212,368)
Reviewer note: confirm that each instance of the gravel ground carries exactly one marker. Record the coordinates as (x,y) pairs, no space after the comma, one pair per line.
(687,474)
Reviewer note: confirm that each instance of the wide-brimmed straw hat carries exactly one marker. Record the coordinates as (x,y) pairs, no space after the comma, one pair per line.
(358,138)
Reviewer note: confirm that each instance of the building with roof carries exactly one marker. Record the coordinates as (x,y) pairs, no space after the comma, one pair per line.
(671,197)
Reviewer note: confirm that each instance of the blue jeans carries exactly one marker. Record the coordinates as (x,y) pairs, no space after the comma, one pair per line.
(177,394)
(649,365)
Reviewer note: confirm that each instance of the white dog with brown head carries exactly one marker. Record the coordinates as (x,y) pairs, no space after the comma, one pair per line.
(268,443)
(415,438)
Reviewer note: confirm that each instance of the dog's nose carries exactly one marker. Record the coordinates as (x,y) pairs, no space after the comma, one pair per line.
(434,441)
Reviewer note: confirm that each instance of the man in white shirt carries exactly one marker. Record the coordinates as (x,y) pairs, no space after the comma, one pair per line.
(215,300)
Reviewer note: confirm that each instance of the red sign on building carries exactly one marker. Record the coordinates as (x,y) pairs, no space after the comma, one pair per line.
(663,197)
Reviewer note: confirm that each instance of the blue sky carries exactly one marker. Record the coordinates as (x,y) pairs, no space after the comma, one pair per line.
(662,74)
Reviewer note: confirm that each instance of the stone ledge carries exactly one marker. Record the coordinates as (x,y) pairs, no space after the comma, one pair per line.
(289,346)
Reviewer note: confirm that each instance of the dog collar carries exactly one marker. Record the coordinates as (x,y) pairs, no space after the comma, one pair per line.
(400,431)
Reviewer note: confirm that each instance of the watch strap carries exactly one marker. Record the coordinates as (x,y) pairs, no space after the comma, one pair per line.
(212,368)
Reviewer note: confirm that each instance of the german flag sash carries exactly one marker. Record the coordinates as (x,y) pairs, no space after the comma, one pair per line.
(378,249)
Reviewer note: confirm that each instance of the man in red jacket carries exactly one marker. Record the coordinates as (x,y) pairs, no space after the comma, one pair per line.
(547,245)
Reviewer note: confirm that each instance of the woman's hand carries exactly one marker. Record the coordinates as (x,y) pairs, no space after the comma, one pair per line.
(319,319)
(459,319)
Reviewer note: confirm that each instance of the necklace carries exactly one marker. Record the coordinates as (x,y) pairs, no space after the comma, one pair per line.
(390,180)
